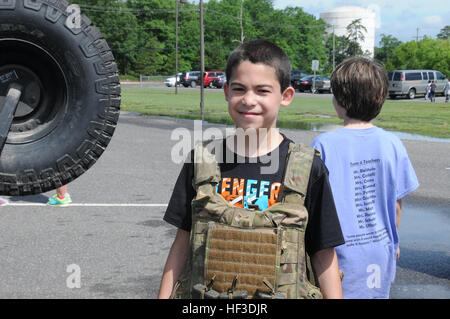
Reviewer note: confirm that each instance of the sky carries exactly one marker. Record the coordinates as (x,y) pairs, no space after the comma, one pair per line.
(399,18)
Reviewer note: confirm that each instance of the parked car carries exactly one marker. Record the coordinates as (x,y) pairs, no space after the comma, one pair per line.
(210,76)
(296,75)
(322,84)
(190,78)
(219,81)
(170,81)
(412,82)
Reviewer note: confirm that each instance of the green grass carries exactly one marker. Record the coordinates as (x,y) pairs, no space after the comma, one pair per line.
(429,119)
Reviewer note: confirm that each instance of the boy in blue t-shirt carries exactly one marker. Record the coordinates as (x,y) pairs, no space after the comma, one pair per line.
(370,173)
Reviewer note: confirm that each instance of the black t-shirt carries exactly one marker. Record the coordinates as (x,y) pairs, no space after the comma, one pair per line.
(242,184)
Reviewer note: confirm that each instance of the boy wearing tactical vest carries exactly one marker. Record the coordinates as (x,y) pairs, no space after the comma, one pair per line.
(370,173)
(243,233)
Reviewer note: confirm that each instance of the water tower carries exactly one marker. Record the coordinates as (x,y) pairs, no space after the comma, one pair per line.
(339,18)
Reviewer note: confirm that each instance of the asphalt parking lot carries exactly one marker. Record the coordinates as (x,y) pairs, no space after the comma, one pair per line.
(114,238)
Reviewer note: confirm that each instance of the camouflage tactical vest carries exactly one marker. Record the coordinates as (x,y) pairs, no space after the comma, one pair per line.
(247,253)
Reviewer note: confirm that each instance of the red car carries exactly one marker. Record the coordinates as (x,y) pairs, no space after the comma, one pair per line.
(210,76)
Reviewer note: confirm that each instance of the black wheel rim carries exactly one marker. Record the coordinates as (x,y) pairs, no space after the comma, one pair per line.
(44,98)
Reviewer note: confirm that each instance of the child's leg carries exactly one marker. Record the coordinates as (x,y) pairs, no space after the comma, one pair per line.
(62,198)
(61,191)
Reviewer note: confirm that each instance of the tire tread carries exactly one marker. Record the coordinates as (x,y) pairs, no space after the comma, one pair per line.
(101,129)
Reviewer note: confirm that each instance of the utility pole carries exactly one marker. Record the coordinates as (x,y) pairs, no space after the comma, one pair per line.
(202,62)
(334,48)
(241,24)
(176,43)
(240,19)
(176,46)
(417,35)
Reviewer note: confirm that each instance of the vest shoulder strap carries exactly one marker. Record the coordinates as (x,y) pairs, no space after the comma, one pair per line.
(206,168)
(298,169)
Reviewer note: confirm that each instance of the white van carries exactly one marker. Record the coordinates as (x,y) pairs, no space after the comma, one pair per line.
(413,82)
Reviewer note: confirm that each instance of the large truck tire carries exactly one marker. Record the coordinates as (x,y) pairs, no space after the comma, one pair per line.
(70,99)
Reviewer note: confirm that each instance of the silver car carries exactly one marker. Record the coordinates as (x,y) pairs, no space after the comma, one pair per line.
(170,81)
(412,82)
(323,84)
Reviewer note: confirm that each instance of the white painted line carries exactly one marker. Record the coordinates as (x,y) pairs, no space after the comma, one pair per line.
(90,205)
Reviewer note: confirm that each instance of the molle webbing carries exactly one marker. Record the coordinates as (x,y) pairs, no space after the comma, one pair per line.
(252,256)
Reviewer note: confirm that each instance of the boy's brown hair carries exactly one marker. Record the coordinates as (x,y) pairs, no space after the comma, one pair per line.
(265,52)
(360,86)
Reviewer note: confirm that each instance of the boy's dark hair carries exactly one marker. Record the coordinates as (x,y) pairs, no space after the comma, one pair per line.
(265,52)
(360,86)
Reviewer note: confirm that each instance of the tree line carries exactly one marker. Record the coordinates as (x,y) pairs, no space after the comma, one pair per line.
(141,34)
